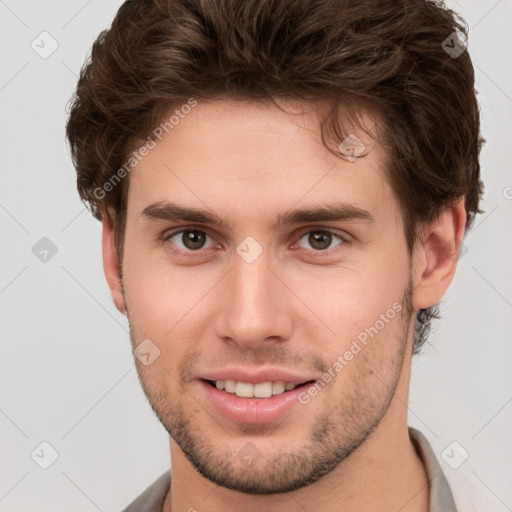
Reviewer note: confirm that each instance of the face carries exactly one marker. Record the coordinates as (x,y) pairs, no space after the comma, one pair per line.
(262,293)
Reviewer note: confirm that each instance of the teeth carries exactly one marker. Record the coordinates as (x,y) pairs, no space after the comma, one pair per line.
(260,390)
(229,386)
(279,387)
(244,389)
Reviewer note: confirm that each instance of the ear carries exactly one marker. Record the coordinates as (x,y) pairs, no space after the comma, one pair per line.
(436,258)
(111,265)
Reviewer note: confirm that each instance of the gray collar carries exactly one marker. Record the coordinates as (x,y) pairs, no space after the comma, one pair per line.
(441,498)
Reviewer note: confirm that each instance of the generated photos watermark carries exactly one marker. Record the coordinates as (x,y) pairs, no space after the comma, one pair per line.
(343,360)
(137,156)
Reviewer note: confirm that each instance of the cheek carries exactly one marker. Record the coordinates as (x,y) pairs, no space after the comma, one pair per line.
(149,298)
(350,300)
(166,304)
(367,351)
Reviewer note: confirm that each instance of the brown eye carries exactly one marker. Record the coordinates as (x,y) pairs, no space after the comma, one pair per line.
(193,240)
(189,240)
(321,240)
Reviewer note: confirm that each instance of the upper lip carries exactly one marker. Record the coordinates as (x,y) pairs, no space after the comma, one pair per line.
(257,375)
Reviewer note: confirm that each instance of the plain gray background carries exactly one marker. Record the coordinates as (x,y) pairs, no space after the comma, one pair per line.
(67,374)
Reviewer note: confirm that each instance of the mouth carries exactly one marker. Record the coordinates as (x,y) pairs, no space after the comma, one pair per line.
(260,390)
(259,402)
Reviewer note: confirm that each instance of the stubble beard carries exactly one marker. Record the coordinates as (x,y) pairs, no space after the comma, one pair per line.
(336,433)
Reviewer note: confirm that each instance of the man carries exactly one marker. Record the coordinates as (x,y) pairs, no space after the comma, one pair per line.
(283,186)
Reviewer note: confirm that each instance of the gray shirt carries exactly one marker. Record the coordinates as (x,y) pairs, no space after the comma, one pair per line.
(441,499)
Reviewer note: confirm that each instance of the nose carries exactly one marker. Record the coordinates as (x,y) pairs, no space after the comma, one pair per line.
(255,305)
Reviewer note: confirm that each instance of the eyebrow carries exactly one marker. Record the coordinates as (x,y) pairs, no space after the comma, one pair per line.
(164,210)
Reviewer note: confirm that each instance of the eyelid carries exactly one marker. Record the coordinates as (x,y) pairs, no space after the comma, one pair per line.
(343,235)
(174,231)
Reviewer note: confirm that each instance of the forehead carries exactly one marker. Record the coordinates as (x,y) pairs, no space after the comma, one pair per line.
(251,156)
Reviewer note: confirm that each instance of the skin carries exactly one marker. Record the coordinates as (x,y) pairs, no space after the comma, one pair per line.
(297,306)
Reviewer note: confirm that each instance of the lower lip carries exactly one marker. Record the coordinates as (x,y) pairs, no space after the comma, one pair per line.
(253,410)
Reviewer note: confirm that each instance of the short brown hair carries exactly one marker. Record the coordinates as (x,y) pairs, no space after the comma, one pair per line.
(385,55)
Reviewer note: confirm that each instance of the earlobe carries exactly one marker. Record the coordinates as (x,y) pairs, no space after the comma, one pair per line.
(436,259)
(111,265)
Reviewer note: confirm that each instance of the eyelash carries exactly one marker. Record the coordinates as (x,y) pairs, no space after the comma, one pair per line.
(166,236)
